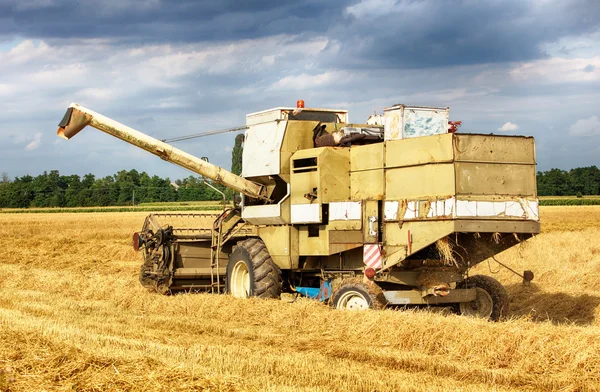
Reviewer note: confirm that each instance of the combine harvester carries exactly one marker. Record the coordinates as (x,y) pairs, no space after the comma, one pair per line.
(359,215)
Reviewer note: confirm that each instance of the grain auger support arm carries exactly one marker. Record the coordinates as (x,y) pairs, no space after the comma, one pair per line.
(78,117)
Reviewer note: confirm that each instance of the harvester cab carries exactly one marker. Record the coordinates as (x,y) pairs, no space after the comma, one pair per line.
(392,212)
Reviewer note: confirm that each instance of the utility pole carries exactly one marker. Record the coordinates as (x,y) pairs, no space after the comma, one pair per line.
(133,201)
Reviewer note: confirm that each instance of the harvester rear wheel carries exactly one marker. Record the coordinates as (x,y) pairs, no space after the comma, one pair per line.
(354,294)
(491,302)
(251,271)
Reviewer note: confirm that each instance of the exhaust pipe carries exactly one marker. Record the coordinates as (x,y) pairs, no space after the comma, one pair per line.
(77,117)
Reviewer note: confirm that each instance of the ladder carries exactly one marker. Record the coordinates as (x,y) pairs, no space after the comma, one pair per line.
(215,249)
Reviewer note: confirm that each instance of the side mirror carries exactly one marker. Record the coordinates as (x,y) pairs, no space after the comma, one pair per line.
(237,200)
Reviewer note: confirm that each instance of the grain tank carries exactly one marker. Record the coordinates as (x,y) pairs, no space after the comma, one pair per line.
(393,212)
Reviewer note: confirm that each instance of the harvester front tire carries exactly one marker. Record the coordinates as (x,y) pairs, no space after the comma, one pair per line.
(491,302)
(251,271)
(354,294)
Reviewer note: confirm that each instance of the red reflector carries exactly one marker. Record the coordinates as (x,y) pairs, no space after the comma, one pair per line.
(370,273)
(136,241)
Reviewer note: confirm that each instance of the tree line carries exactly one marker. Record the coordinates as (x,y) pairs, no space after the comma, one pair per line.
(580,181)
(121,189)
(129,187)
(124,188)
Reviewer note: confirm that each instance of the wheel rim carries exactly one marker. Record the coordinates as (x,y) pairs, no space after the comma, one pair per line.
(353,300)
(240,280)
(481,307)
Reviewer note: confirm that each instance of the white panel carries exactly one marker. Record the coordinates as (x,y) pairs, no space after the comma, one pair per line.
(449,206)
(262,147)
(424,122)
(452,208)
(394,121)
(347,210)
(403,122)
(266,116)
(514,208)
(490,208)
(466,208)
(261,211)
(390,210)
(531,209)
(432,213)
(441,208)
(305,213)
(412,210)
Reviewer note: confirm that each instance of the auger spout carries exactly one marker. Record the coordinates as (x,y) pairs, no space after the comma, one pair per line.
(78,117)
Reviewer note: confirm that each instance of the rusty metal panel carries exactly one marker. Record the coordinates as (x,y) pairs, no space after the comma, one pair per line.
(367,185)
(420,182)
(495,179)
(418,151)
(367,157)
(422,233)
(496,226)
(345,225)
(491,148)
(345,237)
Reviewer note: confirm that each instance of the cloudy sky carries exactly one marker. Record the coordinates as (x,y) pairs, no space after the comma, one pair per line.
(171,68)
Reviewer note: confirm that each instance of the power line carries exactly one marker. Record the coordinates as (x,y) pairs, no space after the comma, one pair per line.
(209,133)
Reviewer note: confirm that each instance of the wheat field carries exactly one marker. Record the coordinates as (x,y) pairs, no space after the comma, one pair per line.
(73,317)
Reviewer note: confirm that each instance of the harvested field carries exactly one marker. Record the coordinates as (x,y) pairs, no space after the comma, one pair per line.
(73,317)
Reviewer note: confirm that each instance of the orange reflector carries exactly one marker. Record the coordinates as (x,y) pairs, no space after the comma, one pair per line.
(136,241)
(300,104)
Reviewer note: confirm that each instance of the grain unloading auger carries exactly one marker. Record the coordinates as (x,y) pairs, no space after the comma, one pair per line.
(77,117)
(360,215)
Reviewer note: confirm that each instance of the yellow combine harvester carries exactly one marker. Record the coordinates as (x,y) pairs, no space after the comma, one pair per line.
(359,215)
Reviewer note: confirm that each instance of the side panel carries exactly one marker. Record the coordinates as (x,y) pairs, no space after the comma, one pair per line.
(367,185)
(412,237)
(367,157)
(298,136)
(281,242)
(426,181)
(334,173)
(489,148)
(313,246)
(418,151)
(495,179)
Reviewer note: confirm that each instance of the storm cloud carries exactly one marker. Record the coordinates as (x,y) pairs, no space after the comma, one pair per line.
(171,68)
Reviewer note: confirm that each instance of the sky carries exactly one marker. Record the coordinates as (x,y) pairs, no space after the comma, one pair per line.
(170,68)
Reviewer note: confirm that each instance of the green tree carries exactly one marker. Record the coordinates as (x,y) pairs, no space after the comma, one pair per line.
(236,155)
